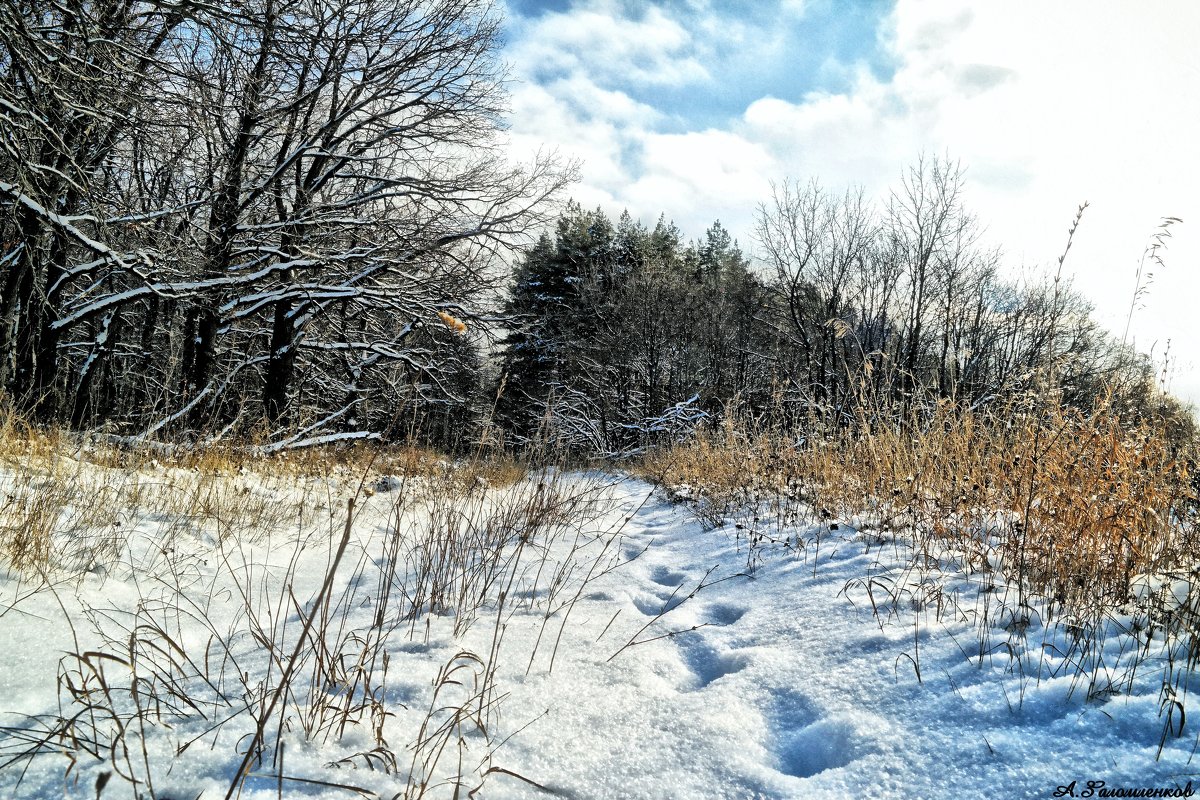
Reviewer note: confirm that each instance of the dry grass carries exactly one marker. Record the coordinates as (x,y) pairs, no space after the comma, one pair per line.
(1079,503)
(68,500)
(1073,524)
(319,665)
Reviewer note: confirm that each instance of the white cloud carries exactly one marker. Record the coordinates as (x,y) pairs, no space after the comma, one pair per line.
(601,41)
(1097,102)
(694,168)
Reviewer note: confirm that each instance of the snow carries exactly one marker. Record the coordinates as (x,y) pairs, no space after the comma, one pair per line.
(63,222)
(640,654)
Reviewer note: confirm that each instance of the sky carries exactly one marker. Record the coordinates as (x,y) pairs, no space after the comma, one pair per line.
(691,109)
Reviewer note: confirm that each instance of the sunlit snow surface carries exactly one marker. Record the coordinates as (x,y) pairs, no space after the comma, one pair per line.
(788,686)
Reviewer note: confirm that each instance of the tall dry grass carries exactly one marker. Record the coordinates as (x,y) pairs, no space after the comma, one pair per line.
(1079,526)
(1080,503)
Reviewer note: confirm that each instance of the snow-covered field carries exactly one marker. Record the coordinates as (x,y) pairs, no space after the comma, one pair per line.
(623,650)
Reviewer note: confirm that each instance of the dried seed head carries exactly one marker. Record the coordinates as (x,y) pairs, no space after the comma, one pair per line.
(453,323)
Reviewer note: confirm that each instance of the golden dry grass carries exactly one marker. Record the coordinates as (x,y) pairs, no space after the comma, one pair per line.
(1089,501)
(66,499)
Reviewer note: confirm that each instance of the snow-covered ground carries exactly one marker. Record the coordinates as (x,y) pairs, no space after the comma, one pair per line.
(775,682)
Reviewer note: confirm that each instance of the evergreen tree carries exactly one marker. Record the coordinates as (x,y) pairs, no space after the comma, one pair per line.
(615,326)
(547,355)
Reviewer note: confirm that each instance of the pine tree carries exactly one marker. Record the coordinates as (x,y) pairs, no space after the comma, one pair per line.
(614,326)
(558,306)
(532,351)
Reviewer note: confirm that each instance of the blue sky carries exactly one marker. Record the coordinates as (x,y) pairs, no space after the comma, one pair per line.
(744,51)
(692,108)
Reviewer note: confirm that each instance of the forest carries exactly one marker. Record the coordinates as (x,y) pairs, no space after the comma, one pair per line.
(853,311)
(294,222)
(220,219)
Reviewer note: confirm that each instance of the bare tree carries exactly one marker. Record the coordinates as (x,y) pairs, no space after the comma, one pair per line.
(74,79)
(297,188)
(928,222)
(819,247)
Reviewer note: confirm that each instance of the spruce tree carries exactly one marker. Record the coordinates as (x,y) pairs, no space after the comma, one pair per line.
(554,307)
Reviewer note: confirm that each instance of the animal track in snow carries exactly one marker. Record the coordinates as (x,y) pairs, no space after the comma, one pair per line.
(707,663)
(822,745)
(420,647)
(654,605)
(631,553)
(664,576)
(723,614)
(807,743)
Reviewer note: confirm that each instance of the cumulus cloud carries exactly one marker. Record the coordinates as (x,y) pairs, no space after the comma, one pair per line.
(695,167)
(608,44)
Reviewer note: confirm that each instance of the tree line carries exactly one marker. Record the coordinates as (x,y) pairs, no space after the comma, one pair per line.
(856,310)
(294,220)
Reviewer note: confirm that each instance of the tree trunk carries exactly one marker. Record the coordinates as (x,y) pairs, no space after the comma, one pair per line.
(280,365)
